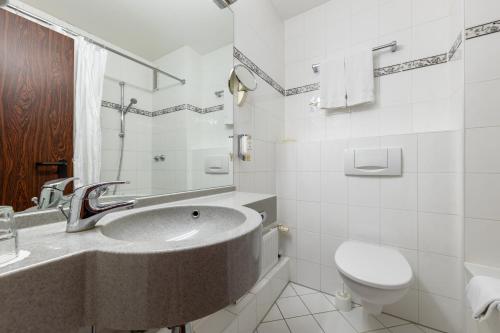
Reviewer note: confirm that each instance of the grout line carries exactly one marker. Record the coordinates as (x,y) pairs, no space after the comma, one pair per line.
(284,319)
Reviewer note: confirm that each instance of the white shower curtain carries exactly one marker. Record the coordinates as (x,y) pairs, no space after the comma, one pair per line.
(90,69)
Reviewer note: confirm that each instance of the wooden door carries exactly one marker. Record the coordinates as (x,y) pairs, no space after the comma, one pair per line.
(36,107)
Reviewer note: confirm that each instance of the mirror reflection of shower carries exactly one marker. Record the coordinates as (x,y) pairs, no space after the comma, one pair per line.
(123,112)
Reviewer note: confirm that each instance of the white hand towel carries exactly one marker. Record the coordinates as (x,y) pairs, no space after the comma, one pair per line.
(333,94)
(483,294)
(359,78)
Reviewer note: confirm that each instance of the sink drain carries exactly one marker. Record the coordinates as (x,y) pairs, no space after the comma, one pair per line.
(195,214)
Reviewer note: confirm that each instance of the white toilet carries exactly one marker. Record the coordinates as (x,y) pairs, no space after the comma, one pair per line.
(378,275)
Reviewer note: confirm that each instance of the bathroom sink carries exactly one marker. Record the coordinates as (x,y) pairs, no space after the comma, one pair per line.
(178,225)
(172,264)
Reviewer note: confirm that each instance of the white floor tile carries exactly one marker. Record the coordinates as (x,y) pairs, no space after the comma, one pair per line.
(317,303)
(390,321)
(427,330)
(292,307)
(273,327)
(301,290)
(304,324)
(406,329)
(333,322)
(330,298)
(362,321)
(289,291)
(273,314)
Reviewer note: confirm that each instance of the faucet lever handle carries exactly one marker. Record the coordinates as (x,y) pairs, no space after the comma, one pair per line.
(85,192)
(59,184)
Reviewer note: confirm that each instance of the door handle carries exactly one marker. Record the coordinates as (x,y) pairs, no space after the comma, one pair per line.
(62,167)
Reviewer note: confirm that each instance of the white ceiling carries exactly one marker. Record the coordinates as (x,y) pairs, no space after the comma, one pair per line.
(149,28)
(290,8)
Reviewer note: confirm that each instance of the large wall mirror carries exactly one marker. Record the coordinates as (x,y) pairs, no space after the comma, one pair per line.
(114,90)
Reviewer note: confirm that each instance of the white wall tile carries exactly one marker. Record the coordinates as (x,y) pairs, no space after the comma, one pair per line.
(396,119)
(308,157)
(478,66)
(286,185)
(329,246)
(429,10)
(288,243)
(334,187)
(287,212)
(364,191)
(482,104)
(309,216)
(332,155)
(430,83)
(309,246)
(440,152)
(286,157)
(439,193)
(364,26)
(481,11)
(431,38)
(399,228)
(309,186)
(441,275)
(440,312)
(309,274)
(331,281)
(440,234)
(334,220)
(364,223)
(399,192)
(481,151)
(395,15)
(481,196)
(481,242)
(406,308)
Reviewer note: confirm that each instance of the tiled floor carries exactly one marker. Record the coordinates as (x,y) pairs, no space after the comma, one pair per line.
(303,310)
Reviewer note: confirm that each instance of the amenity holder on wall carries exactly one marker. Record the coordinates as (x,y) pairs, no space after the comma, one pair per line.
(393,45)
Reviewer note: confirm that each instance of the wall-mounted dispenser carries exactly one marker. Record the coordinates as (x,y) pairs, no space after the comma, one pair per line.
(373,162)
(245,147)
(241,81)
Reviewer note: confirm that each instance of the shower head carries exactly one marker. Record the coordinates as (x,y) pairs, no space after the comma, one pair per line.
(224,3)
(133,101)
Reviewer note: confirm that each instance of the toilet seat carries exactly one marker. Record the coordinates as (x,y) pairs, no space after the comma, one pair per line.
(373,265)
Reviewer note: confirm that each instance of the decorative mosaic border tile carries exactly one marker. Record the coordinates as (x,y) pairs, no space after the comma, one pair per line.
(455,46)
(424,62)
(388,70)
(482,30)
(302,90)
(116,106)
(213,109)
(176,108)
(378,72)
(260,73)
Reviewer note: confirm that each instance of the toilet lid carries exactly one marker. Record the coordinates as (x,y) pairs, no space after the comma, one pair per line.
(373,265)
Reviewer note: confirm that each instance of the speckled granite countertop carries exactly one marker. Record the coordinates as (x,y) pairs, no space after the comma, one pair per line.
(73,280)
(51,242)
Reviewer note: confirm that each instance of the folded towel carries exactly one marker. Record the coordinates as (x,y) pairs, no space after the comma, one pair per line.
(333,93)
(359,78)
(483,294)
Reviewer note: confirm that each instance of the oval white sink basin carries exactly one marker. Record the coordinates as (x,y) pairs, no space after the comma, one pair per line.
(186,224)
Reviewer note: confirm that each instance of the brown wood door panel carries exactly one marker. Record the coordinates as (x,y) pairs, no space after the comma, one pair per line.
(36,106)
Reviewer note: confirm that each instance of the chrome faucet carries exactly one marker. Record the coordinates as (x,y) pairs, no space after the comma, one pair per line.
(52,193)
(85,210)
